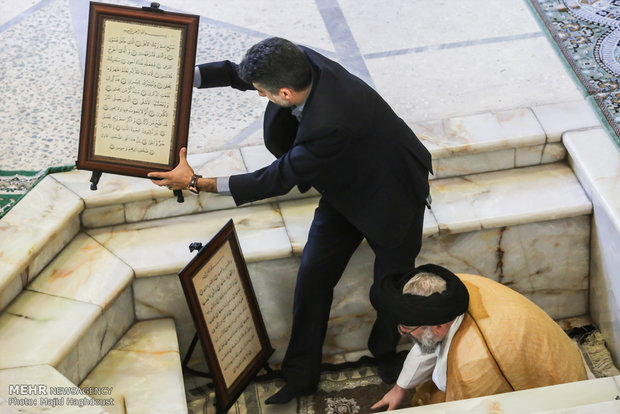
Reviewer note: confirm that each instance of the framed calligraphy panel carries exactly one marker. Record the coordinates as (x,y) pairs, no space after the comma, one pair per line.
(137,89)
(228,322)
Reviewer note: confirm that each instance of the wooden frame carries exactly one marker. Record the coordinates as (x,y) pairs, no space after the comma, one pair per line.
(228,322)
(137,89)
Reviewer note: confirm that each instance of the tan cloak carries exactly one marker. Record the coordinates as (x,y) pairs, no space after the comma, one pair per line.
(505,343)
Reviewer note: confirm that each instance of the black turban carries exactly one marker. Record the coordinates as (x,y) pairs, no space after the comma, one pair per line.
(415,310)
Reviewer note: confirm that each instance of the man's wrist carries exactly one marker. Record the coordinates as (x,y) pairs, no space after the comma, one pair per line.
(207,184)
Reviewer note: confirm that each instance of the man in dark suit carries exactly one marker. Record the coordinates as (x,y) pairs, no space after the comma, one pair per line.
(331,131)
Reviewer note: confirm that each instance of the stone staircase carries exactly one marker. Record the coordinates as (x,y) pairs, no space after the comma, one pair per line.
(80,271)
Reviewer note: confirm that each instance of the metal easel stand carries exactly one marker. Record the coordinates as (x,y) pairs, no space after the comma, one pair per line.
(96,175)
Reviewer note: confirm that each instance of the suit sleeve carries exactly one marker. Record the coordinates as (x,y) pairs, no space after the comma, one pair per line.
(224,73)
(301,165)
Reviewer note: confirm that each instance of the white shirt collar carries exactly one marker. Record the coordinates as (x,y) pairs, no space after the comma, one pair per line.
(441,367)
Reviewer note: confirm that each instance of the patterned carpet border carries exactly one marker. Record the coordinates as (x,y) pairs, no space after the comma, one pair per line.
(587,33)
(14,185)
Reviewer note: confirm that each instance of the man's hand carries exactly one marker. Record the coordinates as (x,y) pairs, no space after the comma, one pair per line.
(393,398)
(177,179)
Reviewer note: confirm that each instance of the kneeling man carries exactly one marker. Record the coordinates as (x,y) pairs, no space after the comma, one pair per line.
(472,337)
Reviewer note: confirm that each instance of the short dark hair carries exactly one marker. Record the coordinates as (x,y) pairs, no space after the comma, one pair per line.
(276,63)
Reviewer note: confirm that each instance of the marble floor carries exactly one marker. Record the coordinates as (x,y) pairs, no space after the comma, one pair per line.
(478,81)
(430,60)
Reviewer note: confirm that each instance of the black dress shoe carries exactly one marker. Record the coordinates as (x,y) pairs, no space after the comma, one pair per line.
(287,393)
(284,395)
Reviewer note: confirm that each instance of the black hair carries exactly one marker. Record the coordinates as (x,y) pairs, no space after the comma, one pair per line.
(276,63)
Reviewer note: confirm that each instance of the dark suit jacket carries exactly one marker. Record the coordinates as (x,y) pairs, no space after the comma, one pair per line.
(350,146)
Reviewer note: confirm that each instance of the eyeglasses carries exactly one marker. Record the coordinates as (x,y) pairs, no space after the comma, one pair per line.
(407,330)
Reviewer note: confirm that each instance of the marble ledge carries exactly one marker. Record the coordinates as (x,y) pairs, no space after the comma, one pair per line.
(120,189)
(40,375)
(144,371)
(505,198)
(100,336)
(160,247)
(13,281)
(37,228)
(505,159)
(298,215)
(163,297)
(464,163)
(41,329)
(84,271)
(482,132)
(477,133)
(461,145)
(607,407)
(546,257)
(596,161)
(558,399)
(558,118)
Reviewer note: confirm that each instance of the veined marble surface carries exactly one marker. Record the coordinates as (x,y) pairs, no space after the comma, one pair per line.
(160,247)
(546,261)
(48,377)
(120,189)
(481,132)
(596,162)
(608,407)
(144,371)
(558,118)
(538,256)
(298,215)
(43,211)
(460,145)
(41,329)
(41,223)
(552,399)
(100,336)
(163,204)
(163,297)
(84,271)
(506,198)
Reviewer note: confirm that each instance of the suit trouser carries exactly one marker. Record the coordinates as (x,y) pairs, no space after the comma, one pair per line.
(332,240)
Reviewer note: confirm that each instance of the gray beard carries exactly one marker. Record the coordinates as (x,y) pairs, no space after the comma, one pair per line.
(428,343)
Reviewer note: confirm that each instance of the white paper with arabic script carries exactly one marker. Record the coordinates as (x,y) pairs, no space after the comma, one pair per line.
(136,97)
(227,313)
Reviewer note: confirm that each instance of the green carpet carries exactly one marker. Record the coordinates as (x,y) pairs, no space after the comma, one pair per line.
(587,33)
(14,185)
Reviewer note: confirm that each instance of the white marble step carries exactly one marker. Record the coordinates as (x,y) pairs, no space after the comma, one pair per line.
(278,230)
(583,397)
(40,388)
(46,219)
(33,232)
(72,313)
(143,370)
(536,217)
(528,228)
(596,162)
(483,142)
